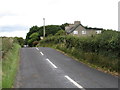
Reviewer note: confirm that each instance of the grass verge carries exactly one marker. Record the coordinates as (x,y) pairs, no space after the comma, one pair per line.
(0,63)
(0,74)
(105,70)
(85,59)
(9,66)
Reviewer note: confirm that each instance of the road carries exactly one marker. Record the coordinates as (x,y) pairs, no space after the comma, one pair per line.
(42,67)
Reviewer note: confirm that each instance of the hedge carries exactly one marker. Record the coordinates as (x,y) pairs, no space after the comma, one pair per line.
(102,50)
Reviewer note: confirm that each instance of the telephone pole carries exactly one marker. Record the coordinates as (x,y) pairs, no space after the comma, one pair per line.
(43,27)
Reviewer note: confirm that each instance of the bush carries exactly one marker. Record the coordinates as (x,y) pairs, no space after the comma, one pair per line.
(7,44)
(101,50)
(35,43)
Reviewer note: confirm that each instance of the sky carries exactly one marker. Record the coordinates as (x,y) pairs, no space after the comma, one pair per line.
(17,16)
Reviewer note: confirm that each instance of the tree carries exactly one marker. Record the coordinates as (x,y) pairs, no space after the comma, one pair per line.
(32,30)
(61,32)
(36,32)
(33,37)
(50,35)
(50,29)
(20,40)
(64,25)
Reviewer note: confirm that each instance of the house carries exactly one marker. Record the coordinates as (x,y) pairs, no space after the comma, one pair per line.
(78,29)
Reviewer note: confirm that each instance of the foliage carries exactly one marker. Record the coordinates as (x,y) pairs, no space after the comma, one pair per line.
(35,43)
(34,29)
(33,37)
(50,35)
(52,29)
(36,32)
(0,43)
(101,50)
(64,25)
(61,32)
(86,27)
(20,40)
(10,57)
(7,44)
(9,66)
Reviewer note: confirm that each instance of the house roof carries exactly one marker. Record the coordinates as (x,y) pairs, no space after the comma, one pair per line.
(72,29)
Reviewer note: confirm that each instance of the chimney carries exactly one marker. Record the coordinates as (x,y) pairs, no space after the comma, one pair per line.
(77,22)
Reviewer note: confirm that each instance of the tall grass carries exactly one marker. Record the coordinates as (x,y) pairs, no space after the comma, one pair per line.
(0,43)
(6,44)
(9,66)
(10,58)
(0,74)
(0,63)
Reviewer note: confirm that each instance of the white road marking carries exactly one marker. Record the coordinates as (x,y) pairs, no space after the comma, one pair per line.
(41,53)
(75,83)
(51,63)
(37,48)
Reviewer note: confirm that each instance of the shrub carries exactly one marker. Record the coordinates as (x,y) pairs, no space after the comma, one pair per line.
(35,43)
(101,50)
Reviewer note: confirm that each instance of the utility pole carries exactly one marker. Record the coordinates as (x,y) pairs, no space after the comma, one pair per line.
(43,27)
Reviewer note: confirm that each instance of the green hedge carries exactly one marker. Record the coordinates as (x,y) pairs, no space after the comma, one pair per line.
(102,50)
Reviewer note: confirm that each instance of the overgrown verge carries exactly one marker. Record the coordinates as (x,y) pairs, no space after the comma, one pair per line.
(10,49)
(99,51)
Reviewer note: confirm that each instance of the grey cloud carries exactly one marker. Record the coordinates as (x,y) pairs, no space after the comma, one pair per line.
(13,28)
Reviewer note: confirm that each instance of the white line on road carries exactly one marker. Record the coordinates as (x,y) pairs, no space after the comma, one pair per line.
(51,63)
(75,83)
(41,53)
(37,48)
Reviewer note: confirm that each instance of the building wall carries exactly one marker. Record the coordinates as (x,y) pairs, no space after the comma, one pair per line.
(81,31)
(91,32)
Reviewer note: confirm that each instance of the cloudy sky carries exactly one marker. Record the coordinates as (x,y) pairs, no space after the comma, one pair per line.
(17,16)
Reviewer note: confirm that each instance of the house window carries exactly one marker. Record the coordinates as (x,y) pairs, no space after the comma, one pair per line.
(83,32)
(98,31)
(75,32)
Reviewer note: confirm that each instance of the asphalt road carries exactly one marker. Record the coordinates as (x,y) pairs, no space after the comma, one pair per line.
(47,68)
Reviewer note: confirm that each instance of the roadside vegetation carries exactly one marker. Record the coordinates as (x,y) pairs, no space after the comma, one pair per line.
(0,63)
(99,51)
(10,59)
(35,32)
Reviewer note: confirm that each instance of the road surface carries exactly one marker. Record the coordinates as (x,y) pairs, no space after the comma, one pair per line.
(42,67)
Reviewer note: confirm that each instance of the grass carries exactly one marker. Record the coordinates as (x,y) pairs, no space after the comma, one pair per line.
(0,74)
(9,66)
(0,63)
